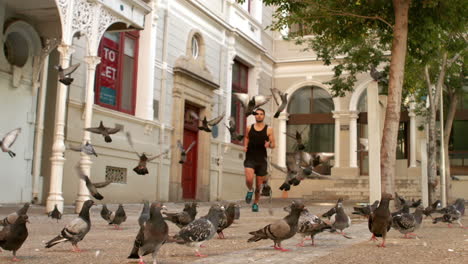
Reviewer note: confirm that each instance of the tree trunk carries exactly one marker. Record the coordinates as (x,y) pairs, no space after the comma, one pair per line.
(396,77)
(448,129)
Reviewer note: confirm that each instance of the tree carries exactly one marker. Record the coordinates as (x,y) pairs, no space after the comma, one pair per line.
(357,35)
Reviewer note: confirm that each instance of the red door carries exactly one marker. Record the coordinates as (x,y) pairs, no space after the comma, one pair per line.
(189,168)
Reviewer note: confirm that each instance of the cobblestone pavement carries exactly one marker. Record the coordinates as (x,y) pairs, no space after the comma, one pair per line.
(104,245)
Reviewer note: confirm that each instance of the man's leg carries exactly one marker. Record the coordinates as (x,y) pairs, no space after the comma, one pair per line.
(258,185)
(249,177)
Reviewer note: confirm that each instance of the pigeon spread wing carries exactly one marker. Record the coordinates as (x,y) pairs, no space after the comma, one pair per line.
(276,95)
(113,130)
(70,69)
(243,98)
(130,142)
(179,145)
(190,147)
(159,155)
(10,137)
(102,184)
(95,130)
(216,120)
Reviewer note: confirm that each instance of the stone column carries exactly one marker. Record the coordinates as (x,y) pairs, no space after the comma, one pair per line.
(424,182)
(353,116)
(336,116)
(373,120)
(58,148)
(230,57)
(281,145)
(85,161)
(412,116)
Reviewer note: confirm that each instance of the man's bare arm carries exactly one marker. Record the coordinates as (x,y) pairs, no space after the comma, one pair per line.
(246,139)
(271,137)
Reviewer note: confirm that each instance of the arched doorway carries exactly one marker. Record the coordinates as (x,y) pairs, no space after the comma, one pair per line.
(310,113)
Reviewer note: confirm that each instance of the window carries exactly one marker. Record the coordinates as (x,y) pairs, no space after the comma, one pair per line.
(194,47)
(247,5)
(239,85)
(117,72)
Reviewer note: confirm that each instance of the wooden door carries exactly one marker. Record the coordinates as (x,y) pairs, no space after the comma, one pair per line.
(189,168)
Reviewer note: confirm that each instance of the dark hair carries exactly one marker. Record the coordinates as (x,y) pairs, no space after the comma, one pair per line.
(260,109)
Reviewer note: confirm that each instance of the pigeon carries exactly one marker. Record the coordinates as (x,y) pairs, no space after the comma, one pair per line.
(64,74)
(55,214)
(151,236)
(141,169)
(366,210)
(340,220)
(184,152)
(185,217)
(232,130)
(380,220)
(13,236)
(310,225)
(432,208)
(281,99)
(8,140)
(403,210)
(206,125)
(298,138)
(105,213)
(92,187)
(399,201)
(407,223)
(450,215)
(365,144)
(281,229)
(76,230)
(11,218)
(118,217)
(251,103)
(460,205)
(104,131)
(376,75)
(200,230)
(227,220)
(145,214)
(87,148)
(321,157)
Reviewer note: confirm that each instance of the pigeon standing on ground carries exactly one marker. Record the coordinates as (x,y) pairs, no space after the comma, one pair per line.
(118,217)
(13,236)
(55,214)
(200,230)
(87,148)
(11,218)
(104,131)
(207,125)
(251,103)
(228,220)
(310,225)
(380,220)
(184,152)
(407,223)
(145,214)
(428,211)
(8,140)
(185,217)
(232,130)
(141,168)
(281,229)
(105,213)
(450,215)
(92,187)
(152,235)
(340,220)
(365,210)
(64,74)
(76,230)
(281,99)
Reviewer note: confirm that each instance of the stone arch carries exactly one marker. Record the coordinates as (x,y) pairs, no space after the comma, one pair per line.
(291,90)
(353,102)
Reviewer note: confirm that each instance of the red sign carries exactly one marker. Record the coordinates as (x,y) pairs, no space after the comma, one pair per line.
(109,66)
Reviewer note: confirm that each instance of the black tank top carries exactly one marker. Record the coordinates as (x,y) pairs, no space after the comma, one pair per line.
(256,149)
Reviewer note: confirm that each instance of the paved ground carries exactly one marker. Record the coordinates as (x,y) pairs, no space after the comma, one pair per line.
(103,245)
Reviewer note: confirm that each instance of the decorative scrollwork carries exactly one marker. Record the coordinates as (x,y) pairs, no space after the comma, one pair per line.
(83,17)
(105,20)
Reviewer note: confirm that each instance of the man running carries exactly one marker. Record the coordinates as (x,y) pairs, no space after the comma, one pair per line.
(258,138)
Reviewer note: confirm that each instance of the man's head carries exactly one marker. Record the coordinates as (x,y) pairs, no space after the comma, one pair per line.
(259,115)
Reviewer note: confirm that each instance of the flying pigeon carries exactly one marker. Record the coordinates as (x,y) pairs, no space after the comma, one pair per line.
(88,149)
(151,236)
(183,218)
(105,213)
(340,220)
(281,99)
(104,131)
(206,125)
(376,75)
(184,152)
(118,217)
(380,220)
(251,103)
(76,230)
(11,218)
(450,215)
(141,169)
(227,221)
(428,211)
(55,214)
(365,210)
(200,230)
(92,187)
(298,138)
(232,130)
(145,214)
(8,140)
(281,229)
(64,74)
(13,236)
(407,223)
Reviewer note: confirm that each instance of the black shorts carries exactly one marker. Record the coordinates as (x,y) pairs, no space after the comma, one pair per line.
(260,167)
